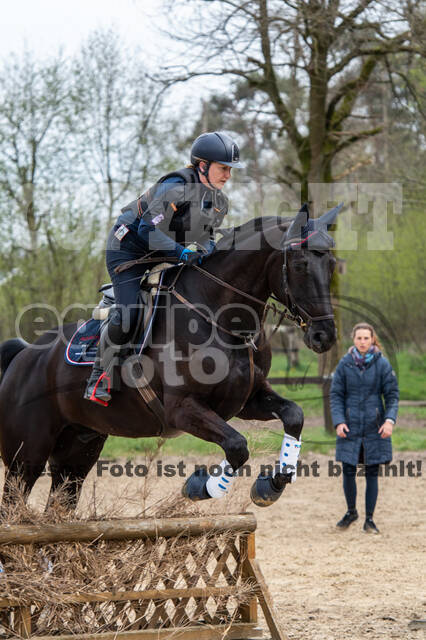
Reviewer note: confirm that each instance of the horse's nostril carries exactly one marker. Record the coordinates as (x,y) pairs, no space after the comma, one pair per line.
(319,337)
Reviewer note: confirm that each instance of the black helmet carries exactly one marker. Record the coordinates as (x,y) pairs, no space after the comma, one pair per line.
(216,147)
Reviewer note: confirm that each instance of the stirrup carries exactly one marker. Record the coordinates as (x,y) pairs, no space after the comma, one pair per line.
(93,397)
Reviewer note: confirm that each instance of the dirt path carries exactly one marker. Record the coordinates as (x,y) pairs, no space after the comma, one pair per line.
(326,584)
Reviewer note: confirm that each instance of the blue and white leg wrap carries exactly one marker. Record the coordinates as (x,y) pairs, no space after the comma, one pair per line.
(289,455)
(218,486)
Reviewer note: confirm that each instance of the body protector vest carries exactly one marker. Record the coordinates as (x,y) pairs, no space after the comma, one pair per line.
(180,206)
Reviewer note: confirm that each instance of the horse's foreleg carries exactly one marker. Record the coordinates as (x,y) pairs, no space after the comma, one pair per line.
(265,404)
(191,415)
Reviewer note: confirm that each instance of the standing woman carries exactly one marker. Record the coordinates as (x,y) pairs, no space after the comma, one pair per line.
(363,423)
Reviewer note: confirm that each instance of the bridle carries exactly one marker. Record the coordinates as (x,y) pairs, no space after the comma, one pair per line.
(294,312)
(298,313)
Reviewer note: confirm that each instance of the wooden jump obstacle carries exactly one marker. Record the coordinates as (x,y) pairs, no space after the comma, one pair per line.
(158,613)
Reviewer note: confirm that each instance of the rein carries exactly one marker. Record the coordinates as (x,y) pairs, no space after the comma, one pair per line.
(294,312)
(248,339)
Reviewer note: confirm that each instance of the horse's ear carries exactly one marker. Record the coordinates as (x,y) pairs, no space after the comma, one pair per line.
(305,209)
(297,227)
(327,219)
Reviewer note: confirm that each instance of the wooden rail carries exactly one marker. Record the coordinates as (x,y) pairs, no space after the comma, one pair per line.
(124,529)
(22,619)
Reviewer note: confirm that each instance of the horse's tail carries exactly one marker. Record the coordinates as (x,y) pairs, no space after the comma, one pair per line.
(8,350)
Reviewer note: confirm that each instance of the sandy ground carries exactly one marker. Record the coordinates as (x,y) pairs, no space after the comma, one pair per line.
(326,584)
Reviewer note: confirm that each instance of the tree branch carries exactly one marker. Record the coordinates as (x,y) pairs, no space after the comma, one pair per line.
(270,85)
(349,92)
(349,19)
(361,135)
(354,167)
(392,45)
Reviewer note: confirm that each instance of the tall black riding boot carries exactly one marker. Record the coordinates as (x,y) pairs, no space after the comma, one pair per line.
(99,383)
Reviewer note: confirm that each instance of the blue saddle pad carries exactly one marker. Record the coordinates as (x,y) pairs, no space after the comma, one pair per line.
(81,348)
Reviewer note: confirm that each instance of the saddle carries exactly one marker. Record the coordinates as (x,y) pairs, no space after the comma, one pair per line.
(81,348)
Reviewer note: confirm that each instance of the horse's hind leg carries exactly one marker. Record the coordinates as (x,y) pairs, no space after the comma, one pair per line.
(25,448)
(76,451)
(18,482)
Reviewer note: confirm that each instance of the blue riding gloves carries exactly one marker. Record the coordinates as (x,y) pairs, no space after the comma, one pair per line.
(189,256)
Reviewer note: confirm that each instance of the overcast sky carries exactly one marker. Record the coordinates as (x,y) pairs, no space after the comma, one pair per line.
(45,25)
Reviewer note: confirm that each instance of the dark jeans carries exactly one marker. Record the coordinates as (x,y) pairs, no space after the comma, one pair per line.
(371,490)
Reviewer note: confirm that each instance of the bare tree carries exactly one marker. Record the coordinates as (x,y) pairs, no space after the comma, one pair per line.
(32,107)
(115,103)
(328,48)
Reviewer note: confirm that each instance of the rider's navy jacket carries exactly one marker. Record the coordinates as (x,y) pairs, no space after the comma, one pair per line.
(175,212)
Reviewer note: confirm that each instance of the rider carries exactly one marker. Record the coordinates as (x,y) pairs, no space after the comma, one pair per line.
(183,207)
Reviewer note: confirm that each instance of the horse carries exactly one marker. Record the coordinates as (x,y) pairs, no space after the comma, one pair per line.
(205,369)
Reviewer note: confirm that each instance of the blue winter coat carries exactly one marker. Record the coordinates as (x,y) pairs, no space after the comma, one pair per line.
(356,399)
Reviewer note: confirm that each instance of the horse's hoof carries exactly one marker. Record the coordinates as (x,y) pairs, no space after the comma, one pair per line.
(195,487)
(266,490)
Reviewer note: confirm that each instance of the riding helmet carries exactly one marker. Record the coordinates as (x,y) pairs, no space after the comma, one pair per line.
(216,147)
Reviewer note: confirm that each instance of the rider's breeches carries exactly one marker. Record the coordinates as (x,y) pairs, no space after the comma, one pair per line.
(123,319)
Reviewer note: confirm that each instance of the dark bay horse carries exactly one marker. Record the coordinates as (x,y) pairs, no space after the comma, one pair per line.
(203,372)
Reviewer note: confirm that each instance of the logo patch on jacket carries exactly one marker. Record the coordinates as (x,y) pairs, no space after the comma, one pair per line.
(158,219)
(121,232)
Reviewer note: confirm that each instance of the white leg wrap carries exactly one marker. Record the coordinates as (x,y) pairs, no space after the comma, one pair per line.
(218,486)
(289,455)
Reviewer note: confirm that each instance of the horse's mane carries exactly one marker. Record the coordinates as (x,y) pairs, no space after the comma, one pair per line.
(248,229)
(227,244)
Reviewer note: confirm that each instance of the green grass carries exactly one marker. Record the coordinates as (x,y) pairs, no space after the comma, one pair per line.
(186,445)
(309,396)
(412,383)
(410,412)
(261,442)
(409,439)
(410,368)
(308,365)
(411,375)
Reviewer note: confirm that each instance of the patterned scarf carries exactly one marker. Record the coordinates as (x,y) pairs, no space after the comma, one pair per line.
(361,361)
